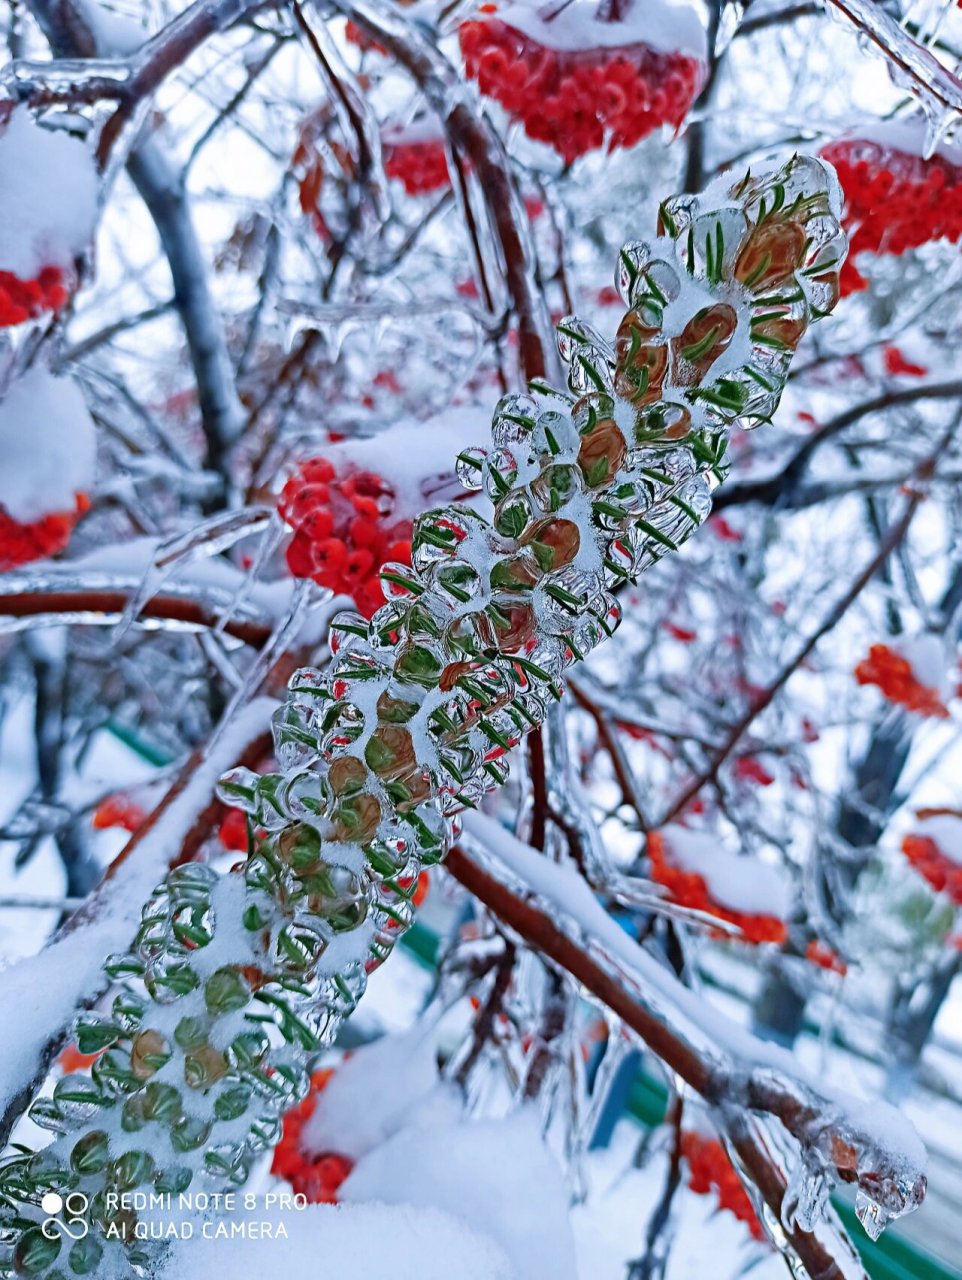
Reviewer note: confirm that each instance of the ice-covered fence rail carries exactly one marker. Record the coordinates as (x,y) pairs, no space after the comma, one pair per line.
(870,1144)
(40,994)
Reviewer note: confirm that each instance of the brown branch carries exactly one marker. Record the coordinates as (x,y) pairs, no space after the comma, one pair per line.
(166,52)
(778,489)
(892,540)
(473,137)
(111,604)
(539,931)
(616,753)
(539,789)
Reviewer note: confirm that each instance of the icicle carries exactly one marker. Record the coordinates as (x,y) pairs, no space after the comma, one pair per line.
(910,64)
(873,1216)
(806,1194)
(201,541)
(729,20)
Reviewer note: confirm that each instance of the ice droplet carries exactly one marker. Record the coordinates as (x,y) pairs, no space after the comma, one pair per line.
(873,1217)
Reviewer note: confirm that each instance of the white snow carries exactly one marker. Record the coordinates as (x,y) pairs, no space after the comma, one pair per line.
(342,1242)
(665,27)
(495,1174)
(48,197)
(47,443)
(738,883)
(409,454)
(356,1112)
(907,135)
(945,829)
(426,128)
(925,654)
(41,993)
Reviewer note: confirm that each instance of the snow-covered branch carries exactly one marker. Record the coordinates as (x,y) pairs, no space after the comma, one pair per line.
(552,909)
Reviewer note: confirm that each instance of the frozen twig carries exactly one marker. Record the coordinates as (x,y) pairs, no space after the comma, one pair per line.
(764,699)
(162,191)
(774,490)
(914,66)
(552,909)
(472,136)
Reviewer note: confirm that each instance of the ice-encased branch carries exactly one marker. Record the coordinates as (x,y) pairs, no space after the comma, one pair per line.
(555,911)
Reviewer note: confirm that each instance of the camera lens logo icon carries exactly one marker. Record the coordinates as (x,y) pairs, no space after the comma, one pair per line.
(72,1224)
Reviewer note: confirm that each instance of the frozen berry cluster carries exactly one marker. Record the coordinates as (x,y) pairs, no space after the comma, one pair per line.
(689,889)
(36,539)
(824,957)
(930,860)
(420,166)
(709,1169)
(579,100)
(894,200)
(315,1177)
(22,300)
(345,527)
(893,674)
(118,811)
(360,39)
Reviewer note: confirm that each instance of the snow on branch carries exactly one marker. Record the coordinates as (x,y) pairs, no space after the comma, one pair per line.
(869,1144)
(41,994)
(913,66)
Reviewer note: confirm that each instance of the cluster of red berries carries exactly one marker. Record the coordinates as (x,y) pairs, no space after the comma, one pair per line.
(943,873)
(37,539)
(22,300)
(344,530)
(818,953)
(751,769)
(691,890)
(315,1177)
(358,36)
(579,100)
(896,365)
(894,200)
(118,811)
(709,1169)
(894,676)
(422,167)
(232,832)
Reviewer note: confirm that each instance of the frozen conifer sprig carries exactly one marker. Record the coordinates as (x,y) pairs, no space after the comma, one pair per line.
(234,982)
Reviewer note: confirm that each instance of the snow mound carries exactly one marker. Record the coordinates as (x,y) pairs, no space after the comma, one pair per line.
(370,1095)
(925,654)
(48,443)
(48,197)
(662,26)
(409,452)
(495,1174)
(740,884)
(355,1242)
